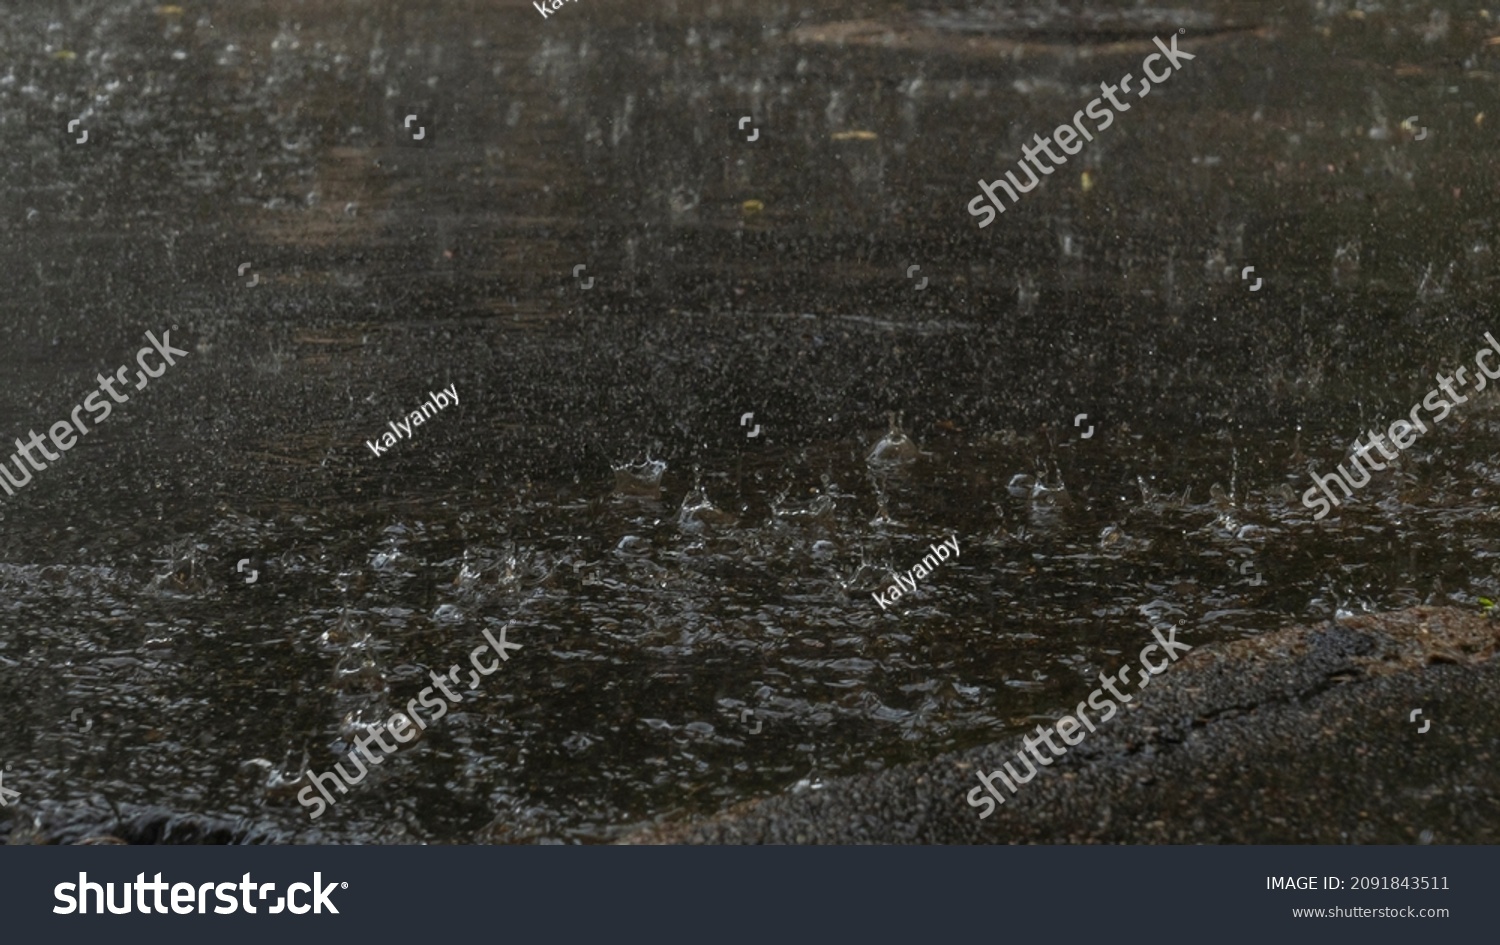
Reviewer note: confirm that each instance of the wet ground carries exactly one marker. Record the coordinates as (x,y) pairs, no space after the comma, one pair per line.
(1302,735)
(711,638)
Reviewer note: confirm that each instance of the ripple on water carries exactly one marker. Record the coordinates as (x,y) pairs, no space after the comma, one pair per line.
(629,694)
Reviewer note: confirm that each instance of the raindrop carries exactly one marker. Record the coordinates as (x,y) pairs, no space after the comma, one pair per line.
(894,448)
(639,479)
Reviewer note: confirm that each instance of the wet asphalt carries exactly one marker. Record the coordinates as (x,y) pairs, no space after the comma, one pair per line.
(1303,735)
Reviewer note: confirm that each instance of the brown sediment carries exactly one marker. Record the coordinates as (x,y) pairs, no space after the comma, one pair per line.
(911,35)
